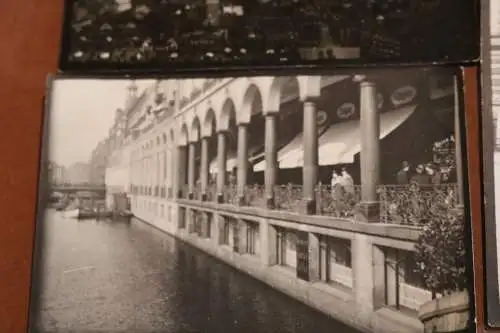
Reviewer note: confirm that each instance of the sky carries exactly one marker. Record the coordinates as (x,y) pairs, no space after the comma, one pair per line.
(80,115)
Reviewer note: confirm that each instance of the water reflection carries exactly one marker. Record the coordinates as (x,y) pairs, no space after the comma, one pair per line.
(118,276)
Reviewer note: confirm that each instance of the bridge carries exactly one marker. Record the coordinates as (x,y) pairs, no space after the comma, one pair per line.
(73,188)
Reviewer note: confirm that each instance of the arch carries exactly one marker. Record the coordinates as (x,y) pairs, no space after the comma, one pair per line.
(194,134)
(228,112)
(283,87)
(183,136)
(252,104)
(208,123)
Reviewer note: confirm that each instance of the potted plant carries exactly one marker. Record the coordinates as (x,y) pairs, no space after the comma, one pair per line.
(441,260)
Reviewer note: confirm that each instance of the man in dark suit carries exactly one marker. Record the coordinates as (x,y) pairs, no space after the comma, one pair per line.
(403,175)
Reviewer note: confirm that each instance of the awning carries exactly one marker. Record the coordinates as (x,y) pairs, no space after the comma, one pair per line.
(340,143)
(292,146)
(230,163)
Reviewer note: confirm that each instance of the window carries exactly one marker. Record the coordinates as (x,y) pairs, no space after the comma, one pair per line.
(281,247)
(226,231)
(252,238)
(335,260)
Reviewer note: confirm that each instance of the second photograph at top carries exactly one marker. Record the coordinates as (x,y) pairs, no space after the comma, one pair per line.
(177,35)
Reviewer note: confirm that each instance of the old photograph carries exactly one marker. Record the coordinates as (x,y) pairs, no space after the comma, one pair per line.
(299,203)
(172,34)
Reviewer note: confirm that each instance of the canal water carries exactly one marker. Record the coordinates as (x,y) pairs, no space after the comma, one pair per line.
(117,276)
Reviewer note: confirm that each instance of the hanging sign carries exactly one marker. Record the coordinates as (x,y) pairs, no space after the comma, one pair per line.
(346,110)
(403,95)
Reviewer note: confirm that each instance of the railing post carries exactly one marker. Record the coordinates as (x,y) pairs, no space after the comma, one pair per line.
(369,207)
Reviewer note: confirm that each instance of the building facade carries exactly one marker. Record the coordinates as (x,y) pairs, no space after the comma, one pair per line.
(57,174)
(78,174)
(220,164)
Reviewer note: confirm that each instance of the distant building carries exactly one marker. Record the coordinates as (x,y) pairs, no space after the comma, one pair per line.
(78,173)
(98,162)
(57,173)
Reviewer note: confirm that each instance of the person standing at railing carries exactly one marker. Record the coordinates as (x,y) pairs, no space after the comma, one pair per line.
(420,177)
(335,181)
(403,175)
(434,174)
(347,182)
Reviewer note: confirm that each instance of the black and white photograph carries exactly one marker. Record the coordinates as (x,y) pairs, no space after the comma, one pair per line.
(170,35)
(325,202)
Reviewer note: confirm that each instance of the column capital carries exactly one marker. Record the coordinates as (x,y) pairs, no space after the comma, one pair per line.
(365,80)
(242,124)
(271,113)
(310,99)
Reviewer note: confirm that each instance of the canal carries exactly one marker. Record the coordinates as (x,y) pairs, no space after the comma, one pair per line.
(115,276)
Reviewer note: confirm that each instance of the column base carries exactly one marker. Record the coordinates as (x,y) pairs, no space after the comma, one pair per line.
(220,198)
(307,207)
(368,212)
(270,202)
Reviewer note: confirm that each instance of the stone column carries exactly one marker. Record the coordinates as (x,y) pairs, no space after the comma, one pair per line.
(362,268)
(204,168)
(191,169)
(313,245)
(267,235)
(310,167)
(458,148)
(368,208)
(271,134)
(242,162)
(180,181)
(221,165)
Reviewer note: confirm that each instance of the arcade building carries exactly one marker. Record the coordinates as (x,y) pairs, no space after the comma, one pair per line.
(241,168)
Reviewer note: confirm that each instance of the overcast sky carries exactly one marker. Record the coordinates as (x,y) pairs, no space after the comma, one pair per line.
(80,115)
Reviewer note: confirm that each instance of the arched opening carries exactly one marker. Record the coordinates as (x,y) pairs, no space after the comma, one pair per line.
(183,159)
(256,139)
(195,139)
(289,125)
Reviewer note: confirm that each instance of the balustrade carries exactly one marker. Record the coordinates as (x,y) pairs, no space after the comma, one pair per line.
(254,196)
(414,204)
(287,197)
(230,194)
(337,201)
(399,204)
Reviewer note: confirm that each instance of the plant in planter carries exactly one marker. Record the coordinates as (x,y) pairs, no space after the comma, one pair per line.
(441,260)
